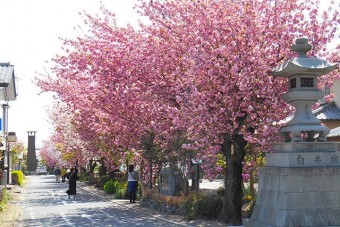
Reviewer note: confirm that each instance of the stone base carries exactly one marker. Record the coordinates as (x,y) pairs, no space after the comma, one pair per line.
(290,197)
(293,147)
(303,159)
(297,154)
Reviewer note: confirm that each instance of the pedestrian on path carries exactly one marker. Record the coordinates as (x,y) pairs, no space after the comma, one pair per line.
(63,174)
(72,180)
(57,174)
(132,183)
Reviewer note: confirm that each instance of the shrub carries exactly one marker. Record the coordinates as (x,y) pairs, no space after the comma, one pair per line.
(202,206)
(111,186)
(23,167)
(122,192)
(156,197)
(84,176)
(212,205)
(220,191)
(19,175)
(4,198)
(102,181)
(248,202)
(151,194)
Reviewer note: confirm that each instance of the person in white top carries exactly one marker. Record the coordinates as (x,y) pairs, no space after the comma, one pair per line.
(132,183)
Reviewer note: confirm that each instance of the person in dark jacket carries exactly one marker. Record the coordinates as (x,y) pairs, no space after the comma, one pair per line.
(72,181)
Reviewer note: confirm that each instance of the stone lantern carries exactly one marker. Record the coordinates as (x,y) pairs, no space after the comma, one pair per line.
(300,184)
(302,73)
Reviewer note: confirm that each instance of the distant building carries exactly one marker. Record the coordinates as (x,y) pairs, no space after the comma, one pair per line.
(329,113)
(8,89)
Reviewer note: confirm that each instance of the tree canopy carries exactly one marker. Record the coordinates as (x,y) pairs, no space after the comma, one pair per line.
(201,68)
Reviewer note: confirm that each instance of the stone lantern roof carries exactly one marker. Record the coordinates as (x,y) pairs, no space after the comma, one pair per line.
(302,64)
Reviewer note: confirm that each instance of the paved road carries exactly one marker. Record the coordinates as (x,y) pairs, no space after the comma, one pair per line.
(45,203)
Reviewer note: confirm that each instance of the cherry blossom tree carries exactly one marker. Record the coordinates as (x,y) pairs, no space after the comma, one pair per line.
(18,149)
(50,156)
(198,67)
(224,88)
(112,99)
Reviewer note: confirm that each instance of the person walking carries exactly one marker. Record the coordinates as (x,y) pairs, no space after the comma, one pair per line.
(63,174)
(132,183)
(57,174)
(72,181)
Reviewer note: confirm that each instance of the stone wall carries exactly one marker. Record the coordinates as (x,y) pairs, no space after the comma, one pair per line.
(162,207)
(290,197)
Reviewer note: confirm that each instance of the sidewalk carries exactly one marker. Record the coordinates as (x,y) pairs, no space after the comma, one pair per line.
(10,216)
(176,219)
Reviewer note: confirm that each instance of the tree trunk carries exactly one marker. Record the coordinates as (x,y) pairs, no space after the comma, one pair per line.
(93,165)
(150,176)
(141,177)
(127,169)
(233,193)
(192,174)
(102,168)
(252,177)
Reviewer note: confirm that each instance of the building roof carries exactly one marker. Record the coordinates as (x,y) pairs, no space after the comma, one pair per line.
(328,111)
(334,132)
(6,71)
(8,91)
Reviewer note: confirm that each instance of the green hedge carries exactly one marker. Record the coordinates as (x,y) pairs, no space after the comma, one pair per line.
(203,206)
(102,181)
(111,186)
(19,175)
(122,190)
(4,197)
(84,176)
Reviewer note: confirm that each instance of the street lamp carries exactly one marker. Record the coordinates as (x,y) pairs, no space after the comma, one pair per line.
(11,137)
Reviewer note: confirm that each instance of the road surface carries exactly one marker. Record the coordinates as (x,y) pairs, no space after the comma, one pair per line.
(45,203)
